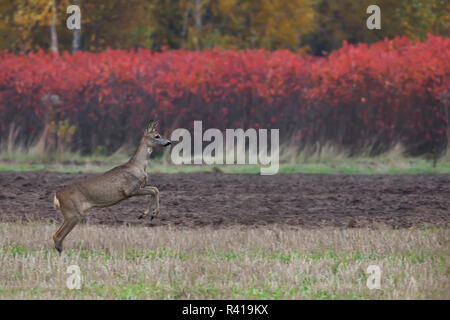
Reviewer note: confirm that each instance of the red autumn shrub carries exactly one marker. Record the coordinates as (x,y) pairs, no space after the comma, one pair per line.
(357,97)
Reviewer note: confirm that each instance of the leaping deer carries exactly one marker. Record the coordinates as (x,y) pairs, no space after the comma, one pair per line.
(107,189)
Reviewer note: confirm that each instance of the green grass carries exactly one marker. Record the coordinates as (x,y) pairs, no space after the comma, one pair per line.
(349,166)
(392,162)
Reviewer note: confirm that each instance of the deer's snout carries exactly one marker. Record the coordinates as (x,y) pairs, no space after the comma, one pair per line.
(168,143)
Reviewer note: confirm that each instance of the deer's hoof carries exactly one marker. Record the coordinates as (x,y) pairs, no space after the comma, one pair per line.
(154,214)
(142,216)
(58,248)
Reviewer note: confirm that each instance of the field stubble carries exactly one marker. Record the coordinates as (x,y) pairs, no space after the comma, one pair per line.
(136,262)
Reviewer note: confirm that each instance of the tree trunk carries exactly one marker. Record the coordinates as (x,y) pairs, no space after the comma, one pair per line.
(185,22)
(198,22)
(54,36)
(447,115)
(76,40)
(444,97)
(76,33)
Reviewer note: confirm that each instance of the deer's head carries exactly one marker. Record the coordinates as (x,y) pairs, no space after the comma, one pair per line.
(153,139)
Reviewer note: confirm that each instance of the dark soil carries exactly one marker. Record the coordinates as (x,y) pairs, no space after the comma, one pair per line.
(218,200)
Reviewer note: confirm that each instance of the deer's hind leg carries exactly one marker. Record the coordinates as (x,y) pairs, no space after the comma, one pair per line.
(154,197)
(71,218)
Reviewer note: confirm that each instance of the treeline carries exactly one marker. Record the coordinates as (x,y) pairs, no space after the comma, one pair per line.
(315,26)
(357,97)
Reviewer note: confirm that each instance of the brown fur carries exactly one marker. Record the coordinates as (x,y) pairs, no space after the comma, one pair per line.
(107,189)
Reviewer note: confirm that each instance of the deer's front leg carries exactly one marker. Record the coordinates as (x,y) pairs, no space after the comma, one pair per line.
(154,192)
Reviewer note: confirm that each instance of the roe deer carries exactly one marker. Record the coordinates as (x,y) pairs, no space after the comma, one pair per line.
(107,189)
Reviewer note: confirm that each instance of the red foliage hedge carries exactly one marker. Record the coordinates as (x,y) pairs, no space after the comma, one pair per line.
(358,96)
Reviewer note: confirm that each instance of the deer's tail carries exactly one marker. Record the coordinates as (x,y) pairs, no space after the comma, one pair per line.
(56,204)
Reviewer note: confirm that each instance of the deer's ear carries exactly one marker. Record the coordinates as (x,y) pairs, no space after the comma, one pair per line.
(152,126)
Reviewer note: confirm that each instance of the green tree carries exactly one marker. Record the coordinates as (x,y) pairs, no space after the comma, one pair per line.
(421,17)
(27,24)
(320,25)
(339,20)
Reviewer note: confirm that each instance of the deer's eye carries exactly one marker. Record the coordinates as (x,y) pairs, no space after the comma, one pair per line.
(157,136)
